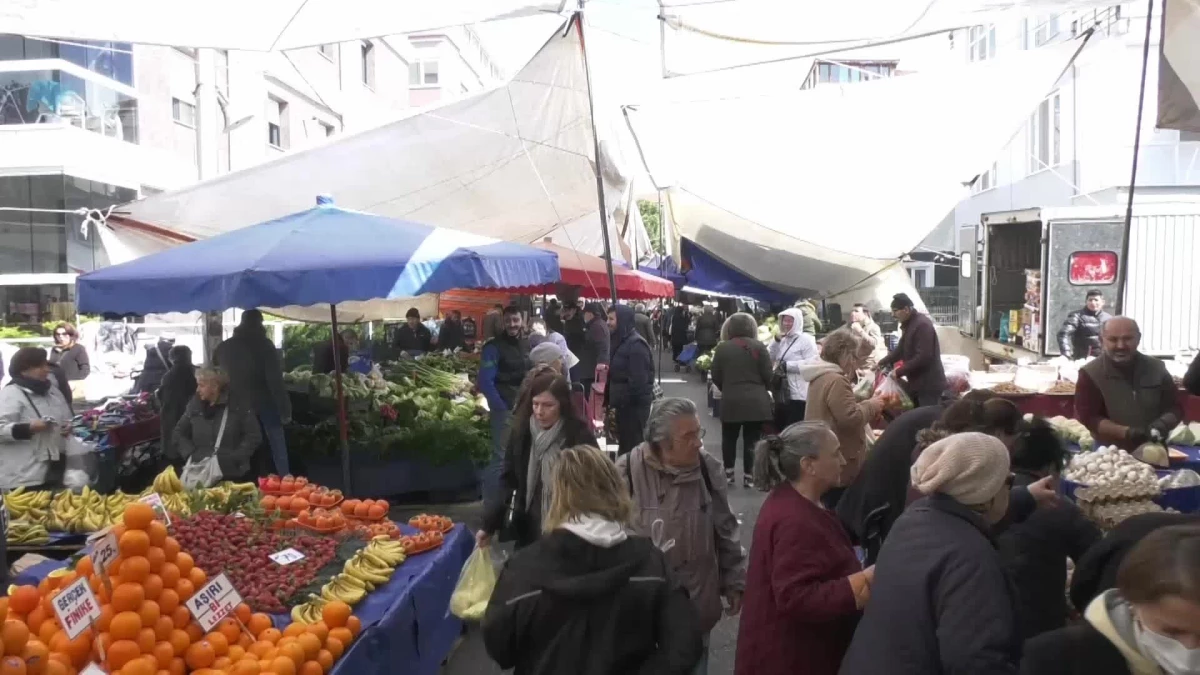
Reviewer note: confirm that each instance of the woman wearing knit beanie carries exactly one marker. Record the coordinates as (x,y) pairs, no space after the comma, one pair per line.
(940,601)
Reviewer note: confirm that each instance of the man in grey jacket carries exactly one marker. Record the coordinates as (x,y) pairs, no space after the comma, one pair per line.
(671,479)
(256,381)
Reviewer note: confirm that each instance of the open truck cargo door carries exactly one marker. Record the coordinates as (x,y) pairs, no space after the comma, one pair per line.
(1013,252)
(1084,253)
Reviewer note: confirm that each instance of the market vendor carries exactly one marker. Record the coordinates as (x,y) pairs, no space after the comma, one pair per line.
(502,367)
(413,336)
(1125,397)
(918,355)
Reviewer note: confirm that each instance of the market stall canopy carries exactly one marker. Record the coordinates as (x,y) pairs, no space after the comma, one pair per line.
(262,25)
(818,191)
(591,274)
(704,271)
(323,255)
(512,163)
(1179,67)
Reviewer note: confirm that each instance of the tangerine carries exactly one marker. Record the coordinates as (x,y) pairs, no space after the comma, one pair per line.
(271,635)
(12,665)
(125,626)
(295,628)
(35,655)
(258,623)
(163,628)
(52,667)
(14,634)
(181,617)
(170,575)
(153,585)
(150,614)
(282,665)
(242,613)
(24,599)
(163,653)
(376,512)
(143,665)
(34,619)
(138,516)
(219,642)
(84,567)
(343,634)
(157,558)
(310,668)
(200,655)
(48,630)
(121,652)
(184,562)
(245,667)
(325,658)
(185,589)
(157,531)
(134,542)
(310,644)
(294,651)
(197,577)
(354,624)
(195,632)
(260,649)
(230,628)
(236,652)
(320,630)
(179,641)
(135,569)
(170,547)
(168,600)
(127,597)
(362,510)
(105,619)
(335,647)
(146,640)
(222,663)
(335,614)
(178,666)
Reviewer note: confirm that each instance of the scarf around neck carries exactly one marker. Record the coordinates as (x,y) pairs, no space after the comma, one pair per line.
(544,446)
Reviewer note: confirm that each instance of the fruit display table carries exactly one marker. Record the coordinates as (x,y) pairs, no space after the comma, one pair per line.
(407,627)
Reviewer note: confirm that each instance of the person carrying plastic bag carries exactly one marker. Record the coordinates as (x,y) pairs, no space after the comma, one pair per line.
(475,585)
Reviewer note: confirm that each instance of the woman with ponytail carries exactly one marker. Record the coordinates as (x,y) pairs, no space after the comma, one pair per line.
(805,587)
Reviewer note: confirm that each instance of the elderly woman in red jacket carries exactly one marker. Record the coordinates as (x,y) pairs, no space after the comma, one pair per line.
(804,586)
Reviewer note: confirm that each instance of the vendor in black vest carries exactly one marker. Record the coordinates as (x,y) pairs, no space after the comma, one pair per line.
(1125,397)
(502,367)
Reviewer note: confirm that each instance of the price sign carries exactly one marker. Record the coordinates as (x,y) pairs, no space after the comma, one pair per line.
(76,607)
(214,601)
(287,556)
(92,669)
(104,553)
(160,509)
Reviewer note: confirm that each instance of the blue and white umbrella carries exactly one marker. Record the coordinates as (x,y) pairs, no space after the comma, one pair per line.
(324,255)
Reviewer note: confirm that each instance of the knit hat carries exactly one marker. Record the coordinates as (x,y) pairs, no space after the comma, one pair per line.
(969,467)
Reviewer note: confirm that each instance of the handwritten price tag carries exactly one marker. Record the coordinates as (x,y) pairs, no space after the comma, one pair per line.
(104,553)
(287,556)
(214,601)
(155,501)
(76,607)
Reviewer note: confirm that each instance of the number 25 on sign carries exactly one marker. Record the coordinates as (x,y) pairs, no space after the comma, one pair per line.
(214,601)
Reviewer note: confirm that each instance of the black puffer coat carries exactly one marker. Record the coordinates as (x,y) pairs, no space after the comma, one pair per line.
(1080,333)
(1035,556)
(940,603)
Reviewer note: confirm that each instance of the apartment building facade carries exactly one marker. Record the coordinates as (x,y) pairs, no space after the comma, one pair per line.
(89,125)
(1077,146)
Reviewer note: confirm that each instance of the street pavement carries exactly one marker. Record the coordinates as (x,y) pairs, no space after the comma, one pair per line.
(470,658)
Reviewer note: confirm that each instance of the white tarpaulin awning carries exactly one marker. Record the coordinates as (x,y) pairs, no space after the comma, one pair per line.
(814,191)
(260,25)
(1179,67)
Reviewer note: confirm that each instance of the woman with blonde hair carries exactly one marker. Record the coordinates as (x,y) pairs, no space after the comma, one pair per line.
(587,597)
(215,438)
(831,400)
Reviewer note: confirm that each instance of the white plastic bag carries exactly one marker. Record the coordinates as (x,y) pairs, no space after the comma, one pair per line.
(475,585)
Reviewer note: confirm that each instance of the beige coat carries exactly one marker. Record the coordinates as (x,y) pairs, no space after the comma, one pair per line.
(831,400)
(707,558)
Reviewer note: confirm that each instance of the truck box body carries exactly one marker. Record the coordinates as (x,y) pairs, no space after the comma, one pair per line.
(1039,264)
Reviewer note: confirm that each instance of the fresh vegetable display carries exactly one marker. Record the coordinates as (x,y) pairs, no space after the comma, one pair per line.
(369,568)
(241,548)
(1072,431)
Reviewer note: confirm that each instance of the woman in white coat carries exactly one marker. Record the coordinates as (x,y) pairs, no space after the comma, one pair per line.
(790,348)
(35,420)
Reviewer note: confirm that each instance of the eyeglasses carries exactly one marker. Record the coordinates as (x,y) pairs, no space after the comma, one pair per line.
(60,333)
(697,434)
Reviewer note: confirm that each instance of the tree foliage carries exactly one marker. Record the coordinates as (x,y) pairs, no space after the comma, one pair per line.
(652,219)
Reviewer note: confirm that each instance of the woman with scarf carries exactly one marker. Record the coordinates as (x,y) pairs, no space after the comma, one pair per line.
(587,597)
(178,387)
(35,420)
(544,422)
(595,344)
(790,348)
(217,436)
(630,387)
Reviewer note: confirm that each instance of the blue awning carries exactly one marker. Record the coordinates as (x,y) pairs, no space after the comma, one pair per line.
(705,271)
(322,255)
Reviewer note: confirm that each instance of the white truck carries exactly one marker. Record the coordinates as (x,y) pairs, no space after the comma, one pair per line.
(1022,272)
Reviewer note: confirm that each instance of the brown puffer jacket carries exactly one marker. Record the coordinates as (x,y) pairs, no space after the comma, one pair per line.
(831,400)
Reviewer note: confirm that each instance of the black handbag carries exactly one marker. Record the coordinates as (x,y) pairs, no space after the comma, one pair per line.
(780,389)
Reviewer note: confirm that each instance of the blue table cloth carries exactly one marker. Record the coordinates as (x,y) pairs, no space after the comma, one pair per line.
(407,625)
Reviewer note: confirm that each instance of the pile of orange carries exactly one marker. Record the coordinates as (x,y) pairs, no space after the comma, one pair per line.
(366,509)
(144,627)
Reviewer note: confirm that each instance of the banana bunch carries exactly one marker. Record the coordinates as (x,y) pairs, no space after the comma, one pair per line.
(309,612)
(22,531)
(115,504)
(346,588)
(167,483)
(80,513)
(31,505)
(220,496)
(177,503)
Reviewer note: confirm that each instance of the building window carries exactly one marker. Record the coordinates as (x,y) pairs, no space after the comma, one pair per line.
(982,43)
(329,51)
(55,96)
(1045,135)
(986,180)
(846,72)
(183,112)
(1039,31)
(423,74)
(368,64)
(921,274)
(113,60)
(278,135)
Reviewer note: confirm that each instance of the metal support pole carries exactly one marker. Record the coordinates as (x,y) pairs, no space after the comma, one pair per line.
(343,426)
(1123,263)
(662,271)
(612,280)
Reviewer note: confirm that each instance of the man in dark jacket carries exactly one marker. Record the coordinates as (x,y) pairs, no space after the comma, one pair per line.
(918,355)
(574,330)
(553,316)
(644,324)
(451,335)
(178,388)
(1079,336)
(502,367)
(630,380)
(256,381)
(323,355)
(596,345)
(681,321)
(708,330)
(413,336)
(1035,551)
(1191,381)
(156,364)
